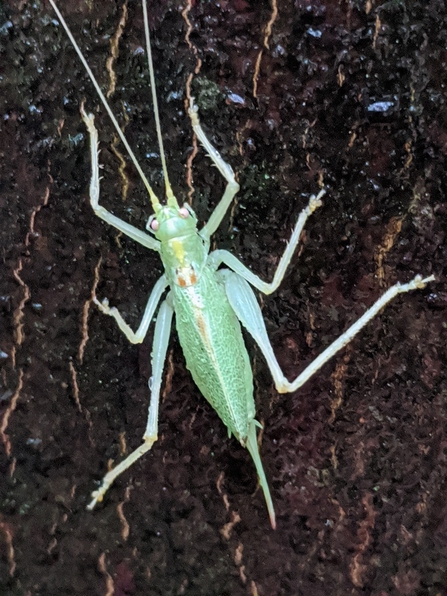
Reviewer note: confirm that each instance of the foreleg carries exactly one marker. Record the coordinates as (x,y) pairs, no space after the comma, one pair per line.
(116,222)
(232,186)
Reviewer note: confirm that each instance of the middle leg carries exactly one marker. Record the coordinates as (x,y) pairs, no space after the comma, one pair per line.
(135,337)
(223,256)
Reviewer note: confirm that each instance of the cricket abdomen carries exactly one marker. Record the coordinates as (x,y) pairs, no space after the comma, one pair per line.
(214,349)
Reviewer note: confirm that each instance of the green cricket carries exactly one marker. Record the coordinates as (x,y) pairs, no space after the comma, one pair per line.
(210,303)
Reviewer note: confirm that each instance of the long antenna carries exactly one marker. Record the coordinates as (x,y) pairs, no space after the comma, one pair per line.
(154,200)
(169,193)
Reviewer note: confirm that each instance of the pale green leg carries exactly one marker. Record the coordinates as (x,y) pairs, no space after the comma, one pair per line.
(130,231)
(247,310)
(136,337)
(116,222)
(159,349)
(232,186)
(244,304)
(223,256)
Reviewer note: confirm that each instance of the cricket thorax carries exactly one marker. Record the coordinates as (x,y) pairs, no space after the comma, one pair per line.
(185,277)
(184,258)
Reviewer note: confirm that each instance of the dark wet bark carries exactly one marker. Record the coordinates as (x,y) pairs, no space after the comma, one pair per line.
(349,94)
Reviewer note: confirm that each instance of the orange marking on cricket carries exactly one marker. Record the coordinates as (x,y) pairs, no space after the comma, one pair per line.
(186,277)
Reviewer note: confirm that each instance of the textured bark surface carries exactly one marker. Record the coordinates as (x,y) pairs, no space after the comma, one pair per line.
(347,94)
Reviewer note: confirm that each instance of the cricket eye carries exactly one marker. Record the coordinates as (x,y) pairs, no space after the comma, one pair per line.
(154,225)
(183,212)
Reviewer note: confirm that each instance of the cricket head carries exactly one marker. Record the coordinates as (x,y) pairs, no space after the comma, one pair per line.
(172,221)
(183,251)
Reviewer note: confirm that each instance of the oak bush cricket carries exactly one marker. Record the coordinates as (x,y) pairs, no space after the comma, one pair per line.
(209,302)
